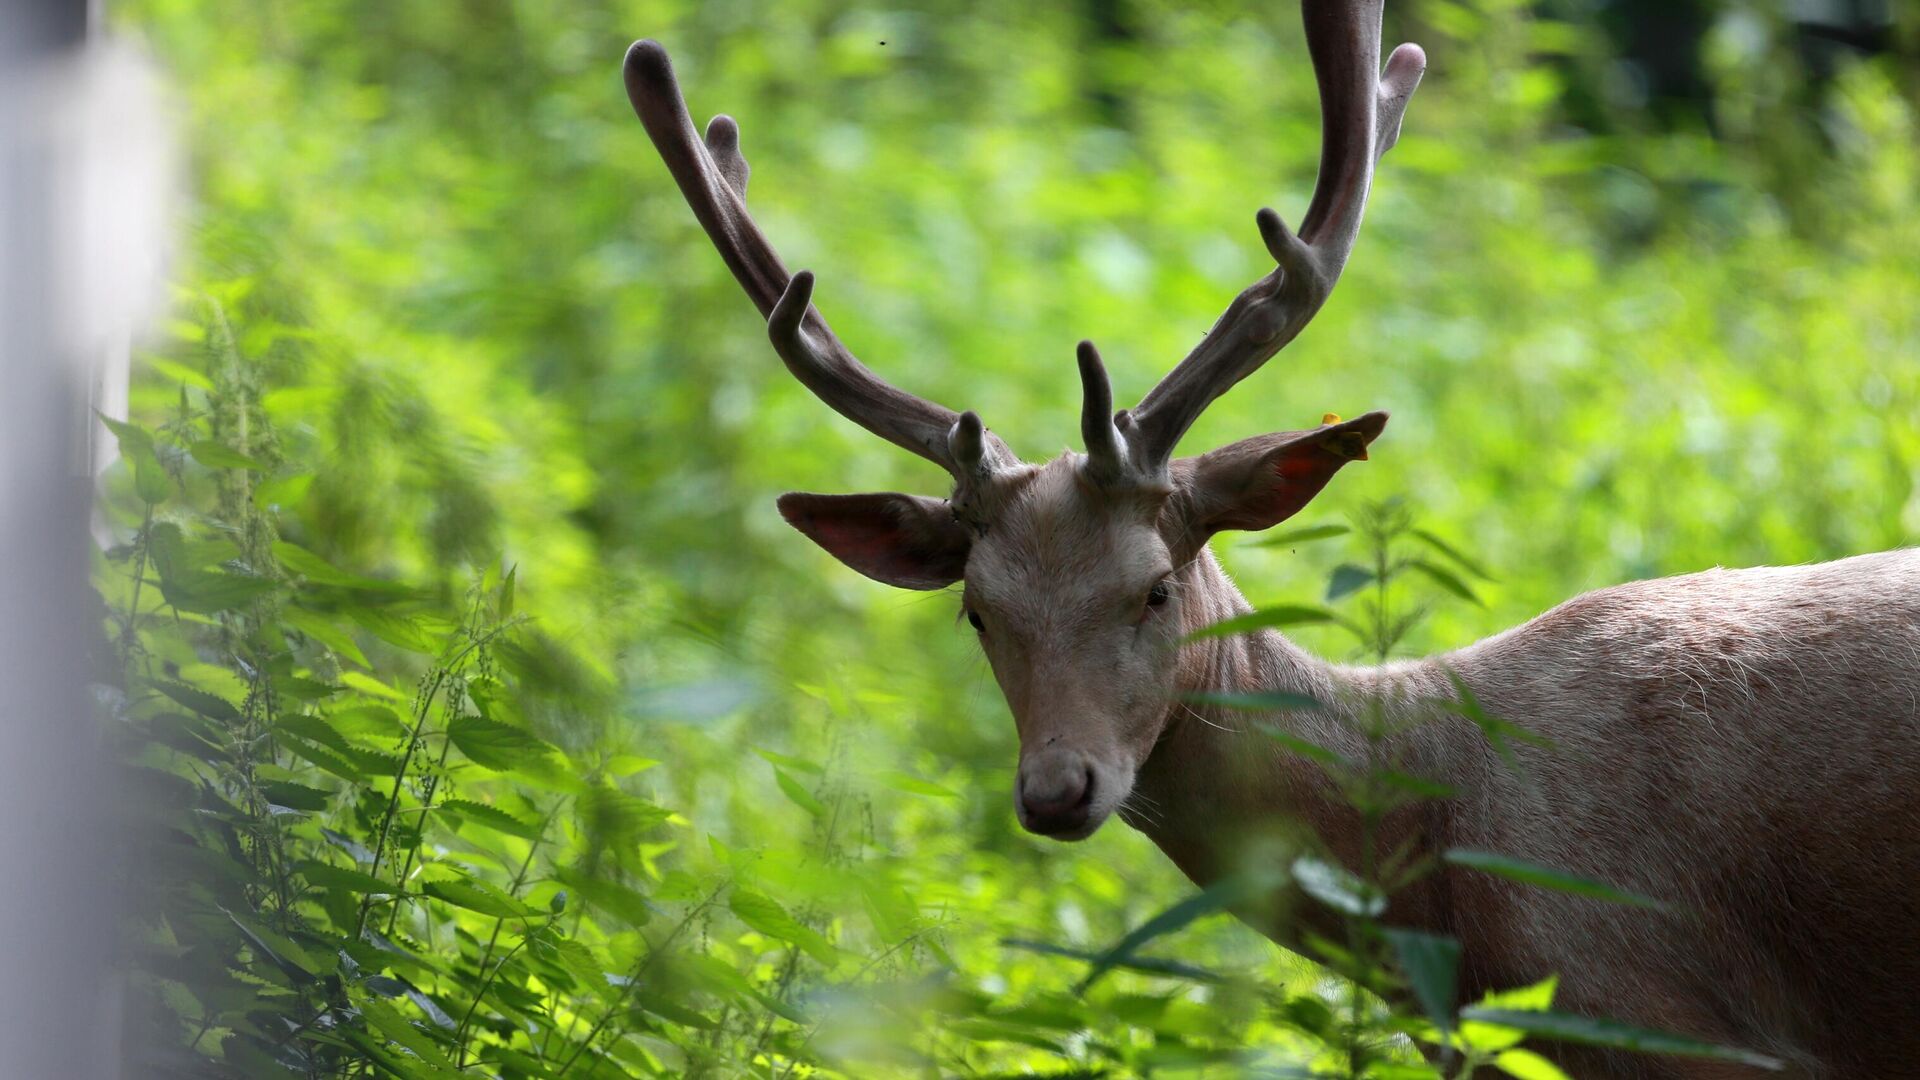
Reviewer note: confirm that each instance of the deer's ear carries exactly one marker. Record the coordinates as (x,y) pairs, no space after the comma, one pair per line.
(1262,481)
(909,541)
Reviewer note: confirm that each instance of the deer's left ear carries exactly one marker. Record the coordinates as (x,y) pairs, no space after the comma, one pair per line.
(909,541)
(1262,481)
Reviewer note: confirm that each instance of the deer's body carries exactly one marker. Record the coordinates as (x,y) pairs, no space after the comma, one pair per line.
(1744,744)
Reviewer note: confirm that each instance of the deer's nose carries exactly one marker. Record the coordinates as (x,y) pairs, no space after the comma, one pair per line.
(1056,792)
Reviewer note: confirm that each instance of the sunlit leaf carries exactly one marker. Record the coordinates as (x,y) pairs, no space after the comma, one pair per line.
(1527,1065)
(476,895)
(765,915)
(498,746)
(798,794)
(491,817)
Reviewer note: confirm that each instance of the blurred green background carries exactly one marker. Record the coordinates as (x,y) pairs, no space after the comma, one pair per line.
(1638,286)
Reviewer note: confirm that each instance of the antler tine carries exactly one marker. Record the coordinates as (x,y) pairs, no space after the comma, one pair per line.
(1360,112)
(1105,459)
(712,175)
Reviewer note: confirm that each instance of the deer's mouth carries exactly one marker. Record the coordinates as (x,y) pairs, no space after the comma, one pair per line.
(1067,796)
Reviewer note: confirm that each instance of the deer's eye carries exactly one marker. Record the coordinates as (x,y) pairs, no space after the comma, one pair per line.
(973,620)
(1159,594)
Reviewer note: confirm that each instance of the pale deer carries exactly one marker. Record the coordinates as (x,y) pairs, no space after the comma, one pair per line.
(1742,744)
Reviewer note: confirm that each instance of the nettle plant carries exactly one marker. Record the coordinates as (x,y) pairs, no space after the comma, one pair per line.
(349,853)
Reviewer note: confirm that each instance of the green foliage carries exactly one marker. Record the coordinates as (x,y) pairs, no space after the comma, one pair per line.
(451,608)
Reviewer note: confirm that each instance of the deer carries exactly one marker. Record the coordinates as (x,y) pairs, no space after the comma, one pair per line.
(1742,744)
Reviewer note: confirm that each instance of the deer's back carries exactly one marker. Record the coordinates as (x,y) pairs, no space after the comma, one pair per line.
(1744,744)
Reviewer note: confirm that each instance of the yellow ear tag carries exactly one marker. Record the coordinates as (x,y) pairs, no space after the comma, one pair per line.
(1330,418)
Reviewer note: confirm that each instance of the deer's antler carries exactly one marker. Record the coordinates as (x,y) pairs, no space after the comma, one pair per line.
(1360,114)
(712,174)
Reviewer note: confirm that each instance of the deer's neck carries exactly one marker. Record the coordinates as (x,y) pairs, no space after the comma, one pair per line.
(1218,790)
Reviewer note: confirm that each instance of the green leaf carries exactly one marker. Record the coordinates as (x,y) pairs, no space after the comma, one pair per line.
(315,729)
(506,592)
(397,630)
(629,764)
(1347,578)
(621,901)
(207,705)
(327,876)
(280,951)
(1595,1031)
(1301,536)
(794,763)
(1264,619)
(391,1024)
(150,481)
(1419,786)
(616,817)
(1546,877)
(1337,887)
(322,630)
(1432,965)
(129,435)
(211,592)
(348,844)
(476,895)
(798,793)
(331,760)
(1256,701)
(1496,730)
(1145,965)
(1446,579)
(491,817)
(217,456)
(497,746)
(1527,1065)
(914,785)
(295,796)
(1233,889)
(1452,553)
(1307,748)
(765,915)
(368,721)
(370,686)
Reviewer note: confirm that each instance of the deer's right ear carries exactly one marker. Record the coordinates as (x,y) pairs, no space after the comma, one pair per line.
(908,541)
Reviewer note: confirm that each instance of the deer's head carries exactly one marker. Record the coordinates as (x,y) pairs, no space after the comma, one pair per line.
(1072,569)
